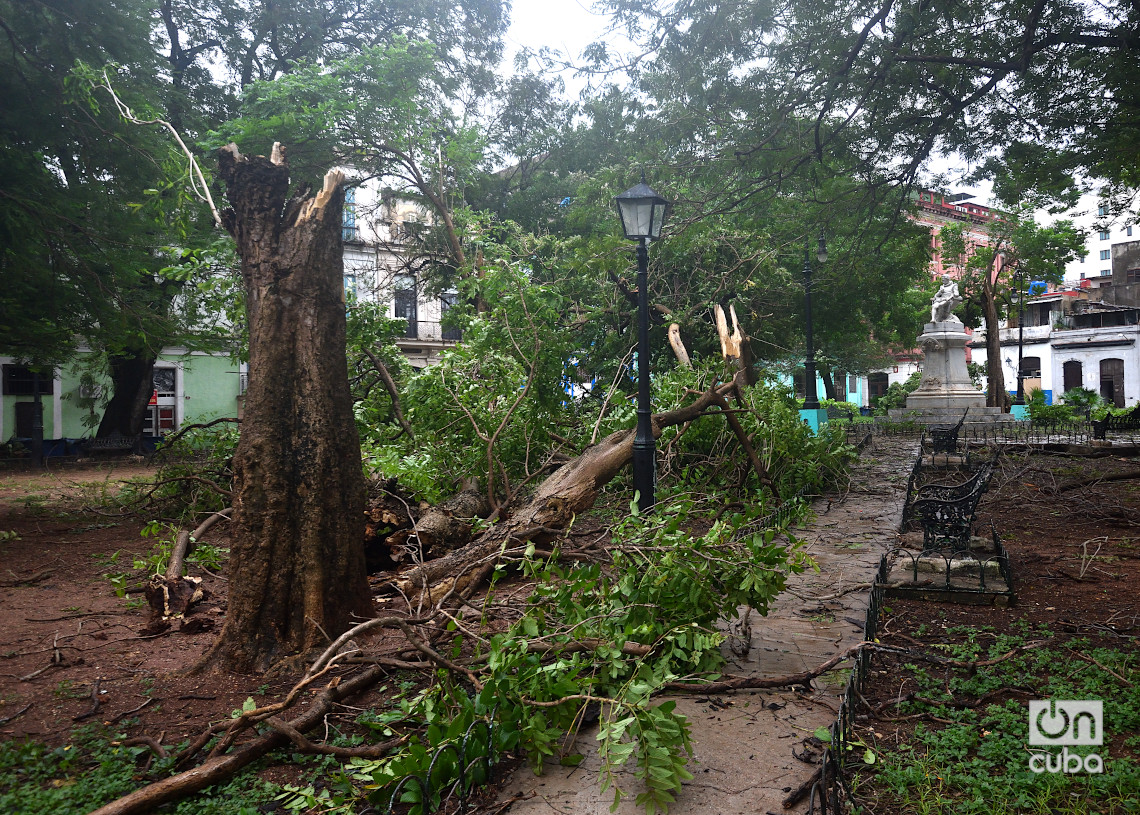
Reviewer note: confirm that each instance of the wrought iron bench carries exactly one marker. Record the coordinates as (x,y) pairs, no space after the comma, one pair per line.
(944,437)
(1126,421)
(839,413)
(919,484)
(952,492)
(109,445)
(947,522)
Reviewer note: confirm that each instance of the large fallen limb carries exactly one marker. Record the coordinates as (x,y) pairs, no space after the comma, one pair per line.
(570,490)
(447,526)
(219,769)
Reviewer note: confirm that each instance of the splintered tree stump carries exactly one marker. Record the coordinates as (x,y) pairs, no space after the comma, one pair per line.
(296,569)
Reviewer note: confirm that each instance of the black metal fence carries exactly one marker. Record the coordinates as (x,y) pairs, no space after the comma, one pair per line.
(832,789)
(1078,431)
(455,771)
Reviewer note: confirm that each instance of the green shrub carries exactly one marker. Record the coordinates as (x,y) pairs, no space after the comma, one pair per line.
(1082,400)
(1042,414)
(896,394)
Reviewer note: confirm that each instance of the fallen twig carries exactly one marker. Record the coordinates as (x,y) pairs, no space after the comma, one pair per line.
(219,768)
(95,703)
(797,795)
(17,714)
(136,710)
(27,581)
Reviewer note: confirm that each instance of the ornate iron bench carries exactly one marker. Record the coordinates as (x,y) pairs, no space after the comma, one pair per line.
(109,445)
(919,485)
(947,522)
(839,413)
(944,437)
(1126,421)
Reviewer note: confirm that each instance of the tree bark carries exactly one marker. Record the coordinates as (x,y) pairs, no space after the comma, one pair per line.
(828,379)
(995,392)
(297,573)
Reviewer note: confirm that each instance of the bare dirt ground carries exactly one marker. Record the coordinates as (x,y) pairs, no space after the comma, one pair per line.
(1071,525)
(68,640)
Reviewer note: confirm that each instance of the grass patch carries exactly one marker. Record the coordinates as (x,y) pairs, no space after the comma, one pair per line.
(93,768)
(973,760)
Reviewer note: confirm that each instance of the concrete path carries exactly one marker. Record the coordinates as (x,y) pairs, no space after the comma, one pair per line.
(743,742)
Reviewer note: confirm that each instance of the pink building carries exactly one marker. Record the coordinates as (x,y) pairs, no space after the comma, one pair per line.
(936,210)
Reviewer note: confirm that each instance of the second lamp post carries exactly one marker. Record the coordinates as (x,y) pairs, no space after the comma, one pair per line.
(642,215)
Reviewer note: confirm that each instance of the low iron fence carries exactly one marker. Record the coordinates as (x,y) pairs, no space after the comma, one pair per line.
(831,789)
(960,570)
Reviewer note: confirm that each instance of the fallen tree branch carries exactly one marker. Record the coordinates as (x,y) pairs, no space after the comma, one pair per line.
(17,714)
(305,746)
(27,581)
(154,746)
(185,538)
(757,682)
(220,768)
(570,490)
(1092,482)
(169,440)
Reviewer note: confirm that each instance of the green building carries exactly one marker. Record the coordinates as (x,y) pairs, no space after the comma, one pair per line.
(189,387)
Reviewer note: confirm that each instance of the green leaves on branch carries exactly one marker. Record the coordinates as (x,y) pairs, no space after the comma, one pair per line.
(598,641)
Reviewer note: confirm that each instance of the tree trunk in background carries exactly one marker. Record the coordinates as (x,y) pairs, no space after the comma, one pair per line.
(131,388)
(296,570)
(995,392)
(828,378)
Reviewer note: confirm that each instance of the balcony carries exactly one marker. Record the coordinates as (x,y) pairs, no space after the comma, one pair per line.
(432,332)
(1033,333)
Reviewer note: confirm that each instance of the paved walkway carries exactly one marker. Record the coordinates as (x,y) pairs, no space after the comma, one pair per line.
(743,742)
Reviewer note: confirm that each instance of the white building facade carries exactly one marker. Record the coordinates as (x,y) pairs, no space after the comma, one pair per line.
(378,229)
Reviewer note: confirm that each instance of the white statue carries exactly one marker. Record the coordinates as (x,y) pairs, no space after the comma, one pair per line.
(944,300)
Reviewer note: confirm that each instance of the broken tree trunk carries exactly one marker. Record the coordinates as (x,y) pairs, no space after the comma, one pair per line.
(445,527)
(297,573)
(171,594)
(570,490)
(678,346)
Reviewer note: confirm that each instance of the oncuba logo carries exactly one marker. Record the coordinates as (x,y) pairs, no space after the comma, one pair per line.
(1065,723)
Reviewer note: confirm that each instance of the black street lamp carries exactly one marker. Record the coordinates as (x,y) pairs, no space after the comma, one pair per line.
(811,397)
(642,215)
(1019,276)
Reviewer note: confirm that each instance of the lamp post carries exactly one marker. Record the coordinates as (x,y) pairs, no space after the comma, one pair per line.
(811,397)
(1019,276)
(642,214)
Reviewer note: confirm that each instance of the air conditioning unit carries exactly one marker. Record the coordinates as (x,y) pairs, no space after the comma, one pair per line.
(90,391)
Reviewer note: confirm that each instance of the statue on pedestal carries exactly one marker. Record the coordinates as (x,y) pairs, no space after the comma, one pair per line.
(945,380)
(944,301)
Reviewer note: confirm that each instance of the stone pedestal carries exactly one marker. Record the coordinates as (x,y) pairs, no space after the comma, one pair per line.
(945,382)
(814,418)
